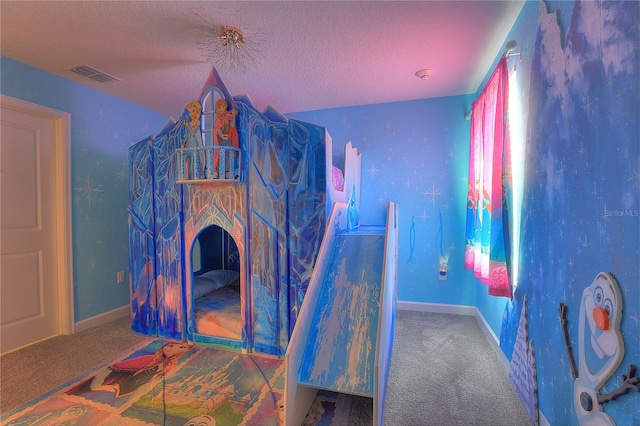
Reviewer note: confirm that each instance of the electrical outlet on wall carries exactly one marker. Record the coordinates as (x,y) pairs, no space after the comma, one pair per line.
(120,277)
(442,274)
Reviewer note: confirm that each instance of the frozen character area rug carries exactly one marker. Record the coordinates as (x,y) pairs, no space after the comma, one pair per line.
(163,382)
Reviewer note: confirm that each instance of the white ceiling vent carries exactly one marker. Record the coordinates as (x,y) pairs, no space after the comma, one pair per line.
(93,74)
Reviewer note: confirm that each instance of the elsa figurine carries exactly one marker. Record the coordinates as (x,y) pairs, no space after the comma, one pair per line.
(194,140)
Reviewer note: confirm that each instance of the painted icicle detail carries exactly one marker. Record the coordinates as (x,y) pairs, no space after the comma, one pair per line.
(522,369)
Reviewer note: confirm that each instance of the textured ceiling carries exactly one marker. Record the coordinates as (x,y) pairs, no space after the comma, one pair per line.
(314,54)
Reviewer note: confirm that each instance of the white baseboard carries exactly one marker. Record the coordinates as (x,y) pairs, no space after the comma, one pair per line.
(103,318)
(438,308)
(542,420)
(493,339)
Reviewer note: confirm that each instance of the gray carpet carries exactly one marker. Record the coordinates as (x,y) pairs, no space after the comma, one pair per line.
(445,372)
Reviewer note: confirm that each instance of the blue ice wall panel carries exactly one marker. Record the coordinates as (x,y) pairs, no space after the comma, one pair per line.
(155,242)
(287,186)
(307,200)
(141,239)
(268,229)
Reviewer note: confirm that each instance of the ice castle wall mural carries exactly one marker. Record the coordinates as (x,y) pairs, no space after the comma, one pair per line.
(580,204)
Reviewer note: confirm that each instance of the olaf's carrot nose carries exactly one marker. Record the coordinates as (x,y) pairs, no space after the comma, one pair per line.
(601,317)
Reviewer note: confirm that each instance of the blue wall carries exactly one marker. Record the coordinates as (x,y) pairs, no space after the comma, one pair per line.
(416,155)
(102,128)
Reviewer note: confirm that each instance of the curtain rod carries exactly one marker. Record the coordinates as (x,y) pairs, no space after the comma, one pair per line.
(511,44)
(508,52)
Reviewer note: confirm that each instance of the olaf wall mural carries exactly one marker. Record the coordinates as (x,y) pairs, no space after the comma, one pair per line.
(600,350)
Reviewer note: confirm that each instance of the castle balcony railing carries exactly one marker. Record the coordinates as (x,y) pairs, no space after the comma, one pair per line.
(208,164)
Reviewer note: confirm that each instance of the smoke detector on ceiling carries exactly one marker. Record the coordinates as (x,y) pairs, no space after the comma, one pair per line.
(93,74)
(424,74)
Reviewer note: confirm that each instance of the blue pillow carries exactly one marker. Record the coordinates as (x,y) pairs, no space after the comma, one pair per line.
(212,281)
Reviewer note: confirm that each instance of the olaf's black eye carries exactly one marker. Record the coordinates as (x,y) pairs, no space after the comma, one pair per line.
(598,295)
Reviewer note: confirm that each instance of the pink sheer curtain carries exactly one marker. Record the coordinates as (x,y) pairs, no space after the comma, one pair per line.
(487,249)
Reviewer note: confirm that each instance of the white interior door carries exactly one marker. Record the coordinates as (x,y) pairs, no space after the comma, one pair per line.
(32,305)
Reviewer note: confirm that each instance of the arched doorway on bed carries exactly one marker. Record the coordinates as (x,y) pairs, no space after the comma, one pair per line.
(216,316)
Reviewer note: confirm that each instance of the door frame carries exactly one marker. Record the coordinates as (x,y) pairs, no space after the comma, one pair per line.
(64,247)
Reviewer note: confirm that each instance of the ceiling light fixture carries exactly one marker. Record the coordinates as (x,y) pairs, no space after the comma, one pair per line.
(424,74)
(226,46)
(231,34)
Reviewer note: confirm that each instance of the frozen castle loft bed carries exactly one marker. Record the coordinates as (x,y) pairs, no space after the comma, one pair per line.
(241,226)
